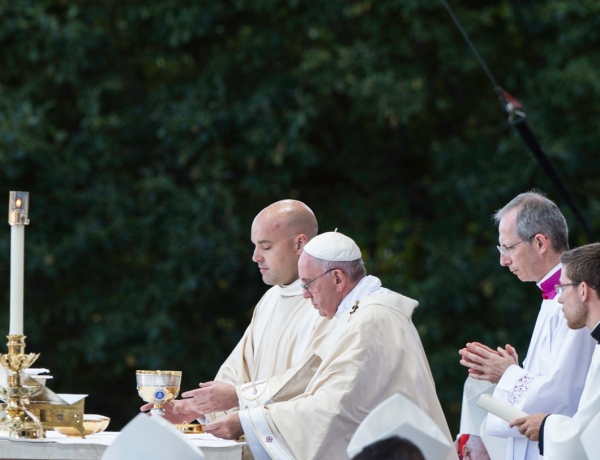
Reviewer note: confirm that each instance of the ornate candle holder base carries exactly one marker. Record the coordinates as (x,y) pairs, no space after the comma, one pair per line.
(21,425)
(16,420)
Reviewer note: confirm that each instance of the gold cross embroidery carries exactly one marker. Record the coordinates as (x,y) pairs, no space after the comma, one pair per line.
(354,308)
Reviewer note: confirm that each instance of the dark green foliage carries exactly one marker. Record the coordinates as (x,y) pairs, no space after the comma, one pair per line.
(150,133)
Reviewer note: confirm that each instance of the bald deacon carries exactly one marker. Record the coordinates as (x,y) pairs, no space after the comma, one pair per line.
(372,352)
(284,327)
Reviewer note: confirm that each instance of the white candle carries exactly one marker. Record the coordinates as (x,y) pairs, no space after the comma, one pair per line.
(17,267)
(499,408)
(18,208)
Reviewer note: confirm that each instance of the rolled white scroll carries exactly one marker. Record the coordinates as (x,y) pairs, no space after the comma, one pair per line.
(500,409)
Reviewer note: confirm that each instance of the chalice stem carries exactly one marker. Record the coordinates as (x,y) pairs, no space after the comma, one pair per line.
(158,410)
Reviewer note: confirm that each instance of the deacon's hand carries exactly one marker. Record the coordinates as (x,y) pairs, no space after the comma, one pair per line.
(174,413)
(228,427)
(464,352)
(211,397)
(512,352)
(487,364)
(529,426)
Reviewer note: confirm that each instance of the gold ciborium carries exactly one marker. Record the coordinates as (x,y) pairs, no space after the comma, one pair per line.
(158,388)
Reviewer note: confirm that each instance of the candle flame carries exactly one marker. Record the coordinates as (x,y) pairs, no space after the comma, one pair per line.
(19,202)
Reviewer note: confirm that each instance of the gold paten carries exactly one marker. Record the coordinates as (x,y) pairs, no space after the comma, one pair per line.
(190,428)
(90,426)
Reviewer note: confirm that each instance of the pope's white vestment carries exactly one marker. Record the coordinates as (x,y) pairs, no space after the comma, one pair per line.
(372,352)
(285,328)
(561,437)
(553,374)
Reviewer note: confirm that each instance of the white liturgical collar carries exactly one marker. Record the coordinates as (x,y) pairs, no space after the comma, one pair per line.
(291,290)
(398,416)
(365,286)
(333,247)
(151,438)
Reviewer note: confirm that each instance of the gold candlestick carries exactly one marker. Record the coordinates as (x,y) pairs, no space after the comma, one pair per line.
(16,420)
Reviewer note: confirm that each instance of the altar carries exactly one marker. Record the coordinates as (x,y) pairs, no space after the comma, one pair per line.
(35,421)
(59,447)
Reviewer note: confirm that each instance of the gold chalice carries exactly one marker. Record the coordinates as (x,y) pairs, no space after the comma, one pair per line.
(158,388)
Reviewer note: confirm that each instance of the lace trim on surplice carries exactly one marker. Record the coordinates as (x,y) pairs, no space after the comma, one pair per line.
(519,390)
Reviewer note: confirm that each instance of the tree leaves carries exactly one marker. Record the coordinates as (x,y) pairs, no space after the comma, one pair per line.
(150,133)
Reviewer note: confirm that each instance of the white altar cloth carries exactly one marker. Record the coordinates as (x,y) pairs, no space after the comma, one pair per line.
(60,447)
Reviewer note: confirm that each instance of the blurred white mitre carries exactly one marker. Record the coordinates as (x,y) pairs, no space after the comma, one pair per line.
(398,416)
(151,438)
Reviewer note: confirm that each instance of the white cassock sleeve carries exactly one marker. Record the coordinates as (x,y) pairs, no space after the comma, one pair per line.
(562,435)
(557,392)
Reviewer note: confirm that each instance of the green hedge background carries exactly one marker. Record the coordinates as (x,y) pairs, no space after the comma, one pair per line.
(149,133)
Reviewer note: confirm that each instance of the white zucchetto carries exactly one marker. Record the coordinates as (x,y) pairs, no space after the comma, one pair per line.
(333,247)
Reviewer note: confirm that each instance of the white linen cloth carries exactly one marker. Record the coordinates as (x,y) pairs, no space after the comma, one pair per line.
(106,438)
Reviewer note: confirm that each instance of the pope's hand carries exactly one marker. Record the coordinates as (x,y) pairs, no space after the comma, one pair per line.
(529,426)
(228,427)
(487,364)
(211,397)
(174,412)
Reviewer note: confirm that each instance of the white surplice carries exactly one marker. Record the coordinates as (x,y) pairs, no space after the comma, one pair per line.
(285,328)
(373,351)
(472,417)
(562,435)
(552,377)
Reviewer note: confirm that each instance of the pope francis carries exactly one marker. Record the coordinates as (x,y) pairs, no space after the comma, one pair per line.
(372,352)
(283,330)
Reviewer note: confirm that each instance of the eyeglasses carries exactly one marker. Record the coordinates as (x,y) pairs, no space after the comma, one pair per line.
(560,288)
(305,286)
(507,250)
